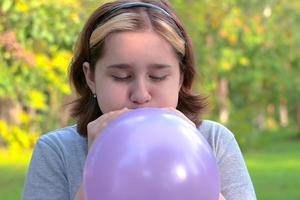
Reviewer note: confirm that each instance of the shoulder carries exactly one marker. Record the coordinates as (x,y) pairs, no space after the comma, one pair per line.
(211,129)
(66,133)
(216,134)
(56,165)
(235,179)
(63,140)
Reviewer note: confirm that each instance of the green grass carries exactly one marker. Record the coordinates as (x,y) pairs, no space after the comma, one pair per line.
(11,181)
(13,167)
(274,165)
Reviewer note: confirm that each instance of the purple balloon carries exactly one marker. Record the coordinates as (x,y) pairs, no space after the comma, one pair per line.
(151,154)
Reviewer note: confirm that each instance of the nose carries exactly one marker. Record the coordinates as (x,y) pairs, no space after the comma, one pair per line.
(140,93)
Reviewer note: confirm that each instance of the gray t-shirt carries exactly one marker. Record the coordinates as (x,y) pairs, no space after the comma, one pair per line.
(57,163)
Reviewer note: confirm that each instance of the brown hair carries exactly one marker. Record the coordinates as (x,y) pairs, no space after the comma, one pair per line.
(90,48)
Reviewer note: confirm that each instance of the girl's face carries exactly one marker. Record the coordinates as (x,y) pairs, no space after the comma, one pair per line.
(137,69)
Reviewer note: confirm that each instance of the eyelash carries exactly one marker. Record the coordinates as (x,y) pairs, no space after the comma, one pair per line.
(127,78)
(121,79)
(158,78)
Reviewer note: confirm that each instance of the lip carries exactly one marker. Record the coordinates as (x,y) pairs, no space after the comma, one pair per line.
(143,106)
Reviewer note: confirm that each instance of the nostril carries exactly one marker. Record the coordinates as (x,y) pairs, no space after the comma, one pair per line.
(140,99)
(140,93)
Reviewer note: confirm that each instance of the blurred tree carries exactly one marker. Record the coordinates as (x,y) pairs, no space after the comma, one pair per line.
(33,63)
(247,54)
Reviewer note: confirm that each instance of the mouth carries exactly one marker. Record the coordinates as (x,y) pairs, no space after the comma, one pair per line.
(142,106)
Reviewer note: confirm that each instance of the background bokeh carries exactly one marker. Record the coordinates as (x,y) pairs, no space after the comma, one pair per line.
(248,58)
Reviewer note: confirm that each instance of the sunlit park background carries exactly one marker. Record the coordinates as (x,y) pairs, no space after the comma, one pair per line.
(248,56)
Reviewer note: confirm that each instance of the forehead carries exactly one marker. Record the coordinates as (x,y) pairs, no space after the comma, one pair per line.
(146,43)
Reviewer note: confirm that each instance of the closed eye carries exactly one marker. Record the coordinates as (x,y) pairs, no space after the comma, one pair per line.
(121,78)
(158,78)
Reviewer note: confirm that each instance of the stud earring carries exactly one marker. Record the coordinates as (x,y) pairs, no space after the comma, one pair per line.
(94,95)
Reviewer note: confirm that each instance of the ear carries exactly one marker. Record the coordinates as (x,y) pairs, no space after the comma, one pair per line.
(89,76)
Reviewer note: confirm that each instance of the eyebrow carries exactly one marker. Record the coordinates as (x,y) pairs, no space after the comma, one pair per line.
(127,66)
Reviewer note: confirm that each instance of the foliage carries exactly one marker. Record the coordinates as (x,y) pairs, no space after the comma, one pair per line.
(33,65)
(254,45)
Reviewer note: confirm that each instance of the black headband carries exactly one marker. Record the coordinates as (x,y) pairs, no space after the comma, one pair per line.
(138,4)
(108,14)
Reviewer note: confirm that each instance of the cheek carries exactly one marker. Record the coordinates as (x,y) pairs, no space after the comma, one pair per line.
(173,97)
(110,97)
(168,94)
(167,99)
(174,90)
